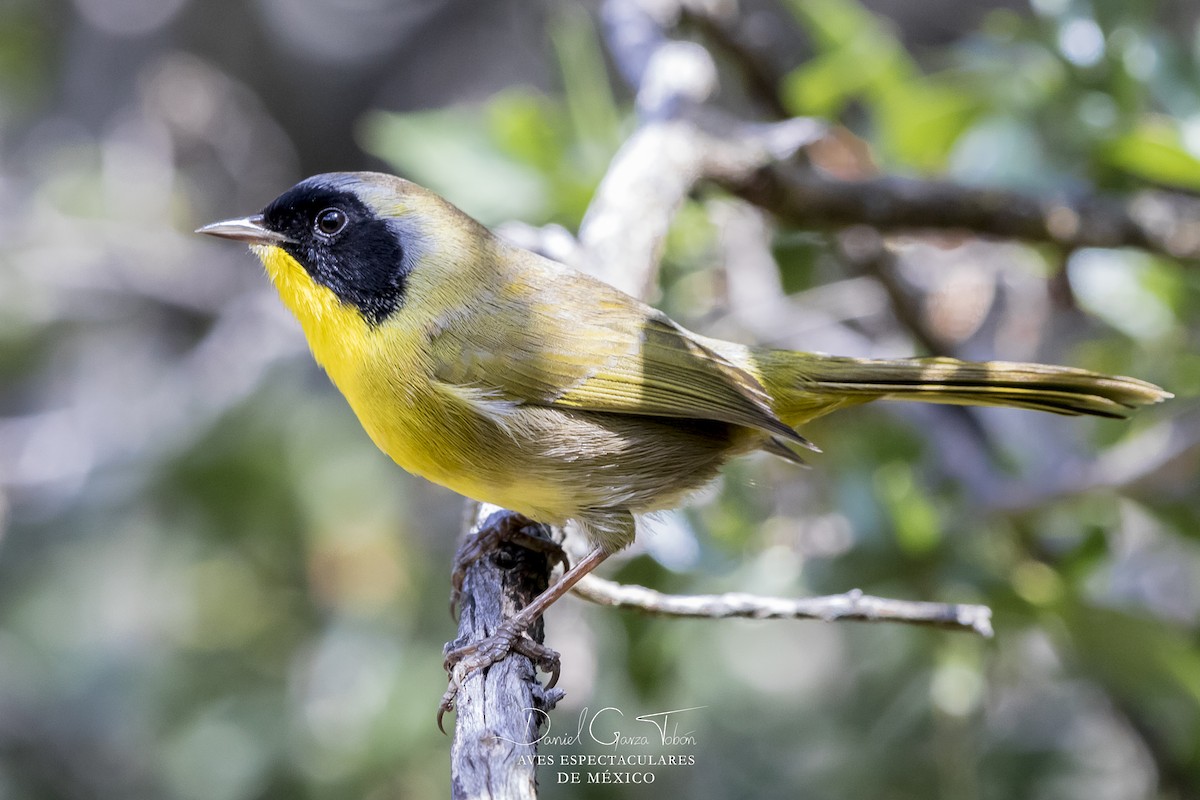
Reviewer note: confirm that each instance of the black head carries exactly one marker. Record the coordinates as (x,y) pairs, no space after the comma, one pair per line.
(342,243)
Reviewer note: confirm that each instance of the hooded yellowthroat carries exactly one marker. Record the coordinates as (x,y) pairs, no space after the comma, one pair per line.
(518,381)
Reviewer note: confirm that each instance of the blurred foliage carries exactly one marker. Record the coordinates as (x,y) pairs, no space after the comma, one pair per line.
(523,155)
(213,586)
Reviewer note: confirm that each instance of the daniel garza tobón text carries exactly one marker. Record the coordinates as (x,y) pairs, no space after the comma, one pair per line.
(658,731)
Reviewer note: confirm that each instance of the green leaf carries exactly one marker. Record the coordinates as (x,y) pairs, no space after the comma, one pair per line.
(856,52)
(920,120)
(825,84)
(1155,152)
(859,57)
(529,128)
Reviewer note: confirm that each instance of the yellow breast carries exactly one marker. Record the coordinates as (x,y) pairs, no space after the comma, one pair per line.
(384,376)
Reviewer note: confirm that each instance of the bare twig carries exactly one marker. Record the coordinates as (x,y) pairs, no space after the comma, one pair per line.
(852,605)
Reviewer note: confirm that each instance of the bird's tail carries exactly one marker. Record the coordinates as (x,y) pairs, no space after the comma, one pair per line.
(805,386)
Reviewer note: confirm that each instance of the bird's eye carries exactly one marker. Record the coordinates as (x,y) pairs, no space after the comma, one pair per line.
(330,221)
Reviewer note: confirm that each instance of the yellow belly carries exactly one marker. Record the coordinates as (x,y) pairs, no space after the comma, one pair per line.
(434,434)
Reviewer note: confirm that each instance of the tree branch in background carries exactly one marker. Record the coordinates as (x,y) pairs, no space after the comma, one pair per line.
(1155,221)
(675,147)
(852,605)
(865,252)
(1158,221)
(730,34)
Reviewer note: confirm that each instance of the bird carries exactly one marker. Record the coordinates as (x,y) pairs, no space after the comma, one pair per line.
(519,381)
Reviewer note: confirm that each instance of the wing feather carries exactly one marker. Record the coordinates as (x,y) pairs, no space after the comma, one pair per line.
(615,355)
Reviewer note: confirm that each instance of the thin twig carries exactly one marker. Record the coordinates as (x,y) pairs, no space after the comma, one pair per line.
(866,252)
(852,605)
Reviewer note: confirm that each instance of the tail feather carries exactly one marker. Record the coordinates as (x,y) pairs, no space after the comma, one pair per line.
(806,386)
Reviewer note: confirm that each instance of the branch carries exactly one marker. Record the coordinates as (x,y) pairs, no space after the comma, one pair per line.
(864,250)
(1156,221)
(499,710)
(728,29)
(676,146)
(852,605)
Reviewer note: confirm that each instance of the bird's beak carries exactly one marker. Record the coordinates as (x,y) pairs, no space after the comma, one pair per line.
(246,229)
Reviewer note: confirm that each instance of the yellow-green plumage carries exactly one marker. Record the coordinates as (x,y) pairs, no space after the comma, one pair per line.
(808,386)
(518,381)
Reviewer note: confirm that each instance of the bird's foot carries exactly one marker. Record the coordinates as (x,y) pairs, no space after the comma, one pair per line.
(512,528)
(509,638)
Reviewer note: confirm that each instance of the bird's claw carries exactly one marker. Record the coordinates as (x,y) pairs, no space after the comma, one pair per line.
(509,638)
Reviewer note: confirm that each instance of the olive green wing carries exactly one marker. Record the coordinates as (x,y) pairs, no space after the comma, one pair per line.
(609,353)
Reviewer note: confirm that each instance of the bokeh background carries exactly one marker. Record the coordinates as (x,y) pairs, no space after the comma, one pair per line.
(213,587)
